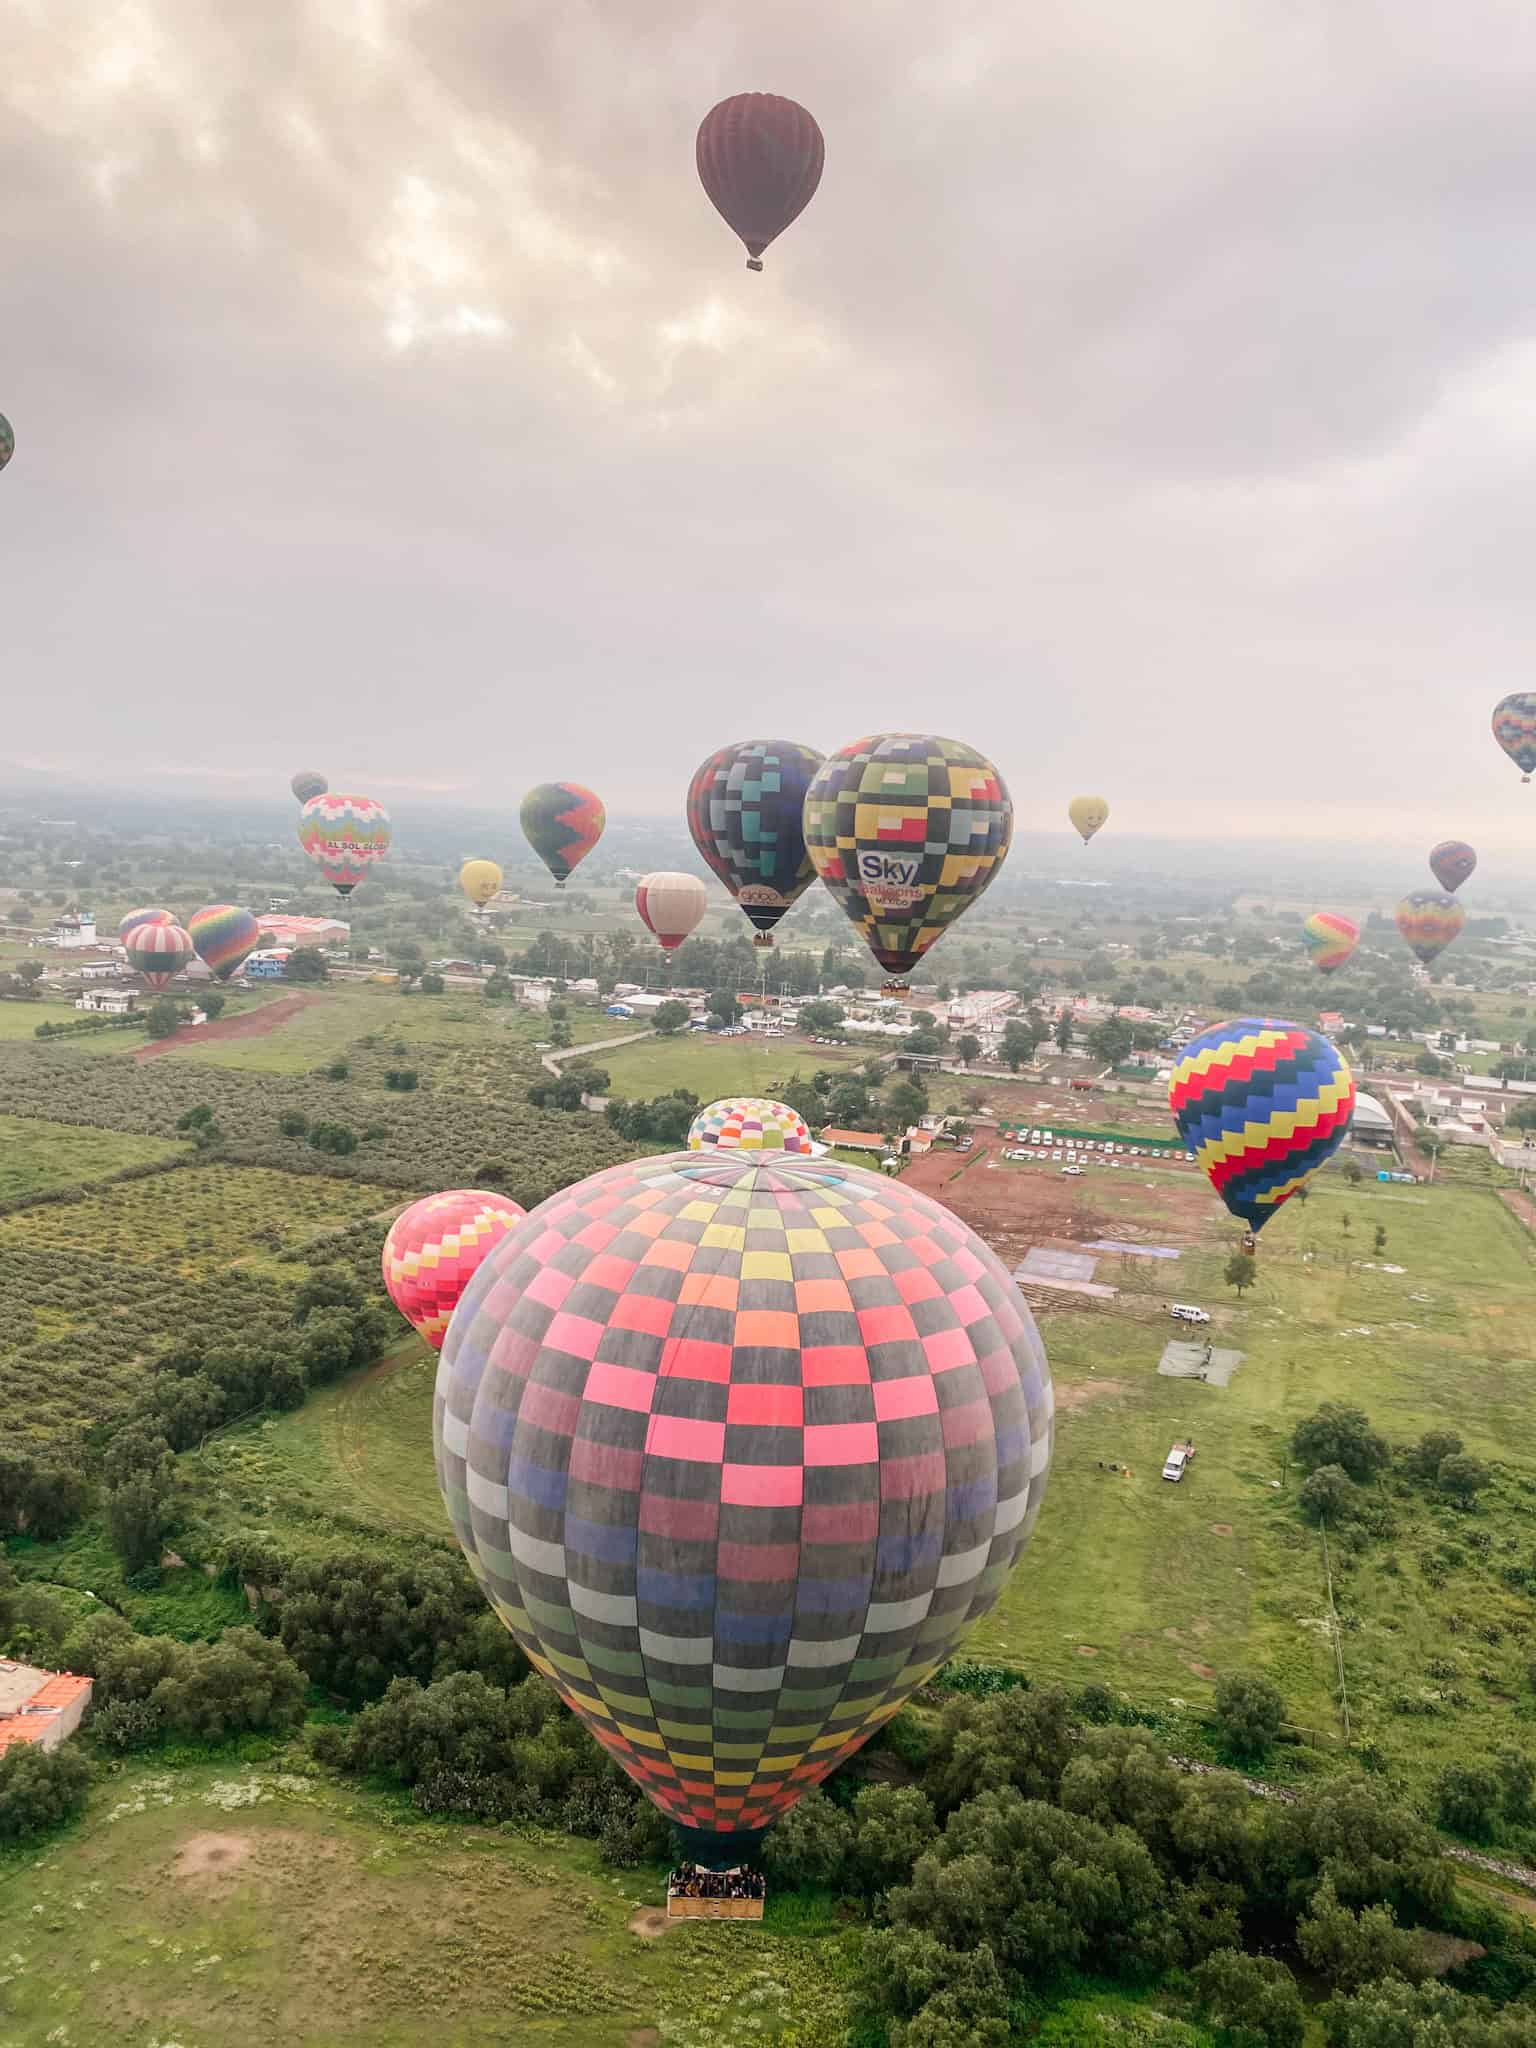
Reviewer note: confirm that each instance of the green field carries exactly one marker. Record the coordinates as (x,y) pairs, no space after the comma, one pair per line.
(35,1155)
(713,1067)
(20,1020)
(1158,1589)
(235,1906)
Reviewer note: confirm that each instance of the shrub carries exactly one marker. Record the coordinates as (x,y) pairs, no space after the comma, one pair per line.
(1469,1799)
(1339,1435)
(1254,1999)
(40,1788)
(1329,1495)
(1249,1713)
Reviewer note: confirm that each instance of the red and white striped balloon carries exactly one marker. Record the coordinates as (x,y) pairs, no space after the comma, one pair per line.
(670,906)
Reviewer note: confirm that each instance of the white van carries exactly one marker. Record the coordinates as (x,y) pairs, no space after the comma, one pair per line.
(1186,1312)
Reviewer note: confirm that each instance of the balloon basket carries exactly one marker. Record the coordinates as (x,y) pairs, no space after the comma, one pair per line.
(755,263)
(762,938)
(694,1893)
(897,988)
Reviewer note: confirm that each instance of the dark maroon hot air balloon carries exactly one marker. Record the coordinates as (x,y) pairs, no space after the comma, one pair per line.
(760,160)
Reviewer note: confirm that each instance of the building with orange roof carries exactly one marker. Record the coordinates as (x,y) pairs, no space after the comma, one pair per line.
(39,1706)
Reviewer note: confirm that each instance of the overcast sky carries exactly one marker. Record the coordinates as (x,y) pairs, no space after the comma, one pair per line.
(1148,397)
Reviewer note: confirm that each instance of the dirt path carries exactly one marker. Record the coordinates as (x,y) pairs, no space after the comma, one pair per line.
(249,1024)
(1519,1204)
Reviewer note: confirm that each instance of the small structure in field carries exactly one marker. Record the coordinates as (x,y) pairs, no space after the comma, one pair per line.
(39,1706)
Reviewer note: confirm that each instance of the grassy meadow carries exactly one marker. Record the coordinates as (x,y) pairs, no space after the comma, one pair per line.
(712,1067)
(233,1905)
(35,1155)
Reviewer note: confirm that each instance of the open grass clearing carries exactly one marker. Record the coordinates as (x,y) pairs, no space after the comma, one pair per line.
(35,1155)
(713,1067)
(234,1906)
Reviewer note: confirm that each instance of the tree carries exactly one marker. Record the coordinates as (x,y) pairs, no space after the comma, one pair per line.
(1249,1713)
(241,1683)
(31,972)
(211,1002)
(138,1513)
(403,1080)
(1064,1031)
(1329,1495)
(817,1018)
(893,1825)
(1469,1799)
(293,1123)
(1336,1434)
(40,1788)
(810,1845)
(338,1070)
(1352,1172)
(1112,1041)
(671,1018)
(306,966)
(162,1017)
(432,984)
(1240,1271)
(1019,1043)
(1428,1062)
(1462,1478)
(1423,1460)
(335,1138)
(560,1033)
(1351,1948)
(906,1102)
(1253,1999)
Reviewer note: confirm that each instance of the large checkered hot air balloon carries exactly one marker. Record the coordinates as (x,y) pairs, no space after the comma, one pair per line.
(562,822)
(1429,922)
(157,952)
(1329,939)
(344,836)
(738,1450)
(435,1248)
(225,936)
(1261,1105)
(907,831)
(746,807)
(749,1123)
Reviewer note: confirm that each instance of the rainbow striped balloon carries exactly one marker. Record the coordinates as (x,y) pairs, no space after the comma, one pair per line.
(1330,939)
(1429,923)
(749,1123)
(224,936)
(1261,1105)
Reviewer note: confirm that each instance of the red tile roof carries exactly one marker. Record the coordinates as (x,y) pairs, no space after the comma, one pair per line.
(38,1713)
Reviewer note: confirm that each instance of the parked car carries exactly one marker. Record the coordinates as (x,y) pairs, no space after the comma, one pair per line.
(1186,1312)
(1072,1169)
(1177,1463)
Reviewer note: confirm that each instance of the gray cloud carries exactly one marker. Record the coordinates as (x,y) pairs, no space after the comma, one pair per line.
(1149,397)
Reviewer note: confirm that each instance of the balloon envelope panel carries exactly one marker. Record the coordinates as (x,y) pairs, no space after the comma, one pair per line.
(435,1248)
(749,1123)
(907,830)
(746,807)
(1261,1104)
(738,1450)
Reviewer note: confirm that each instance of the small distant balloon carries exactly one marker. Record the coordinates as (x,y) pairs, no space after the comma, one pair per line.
(1429,923)
(7,441)
(480,880)
(137,917)
(344,836)
(1514,727)
(670,906)
(562,822)
(1260,1104)
(308,783)
(224,936)
(760,159)
(1451,863)
(1330,939)
(158,952)
(1089,814)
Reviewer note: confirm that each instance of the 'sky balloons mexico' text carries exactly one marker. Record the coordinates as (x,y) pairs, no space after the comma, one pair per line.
(1429,922)
(435,1248)
(670,905)
(746,808)
(562,822)
(344,836)
(1330,939)
(1261,1105)
(760,159)
(738,1450)
(907,831)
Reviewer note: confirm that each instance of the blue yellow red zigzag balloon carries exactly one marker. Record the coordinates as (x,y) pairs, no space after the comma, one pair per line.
(1261,1104)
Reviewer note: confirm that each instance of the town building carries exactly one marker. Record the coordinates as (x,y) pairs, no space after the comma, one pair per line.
(108,1002)
(71,931)
(39,1706)
(305,931)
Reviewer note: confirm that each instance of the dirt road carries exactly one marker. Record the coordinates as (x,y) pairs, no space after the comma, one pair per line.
(249,1024)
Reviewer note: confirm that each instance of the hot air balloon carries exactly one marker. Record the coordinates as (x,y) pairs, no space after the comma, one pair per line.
(906,831)
(1261,1105)
(1429,923)
(158,952)
(308,783)
(1089,814)
(344,836)
(1514,727)
(434,1249)
(670,905)
(738,1450)
(746,805)
(480,880)
(1451,863)
(137,917)
(760,159)
(224,936)
(749,1123)
(7,441)
(562,822)
(1330,939)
